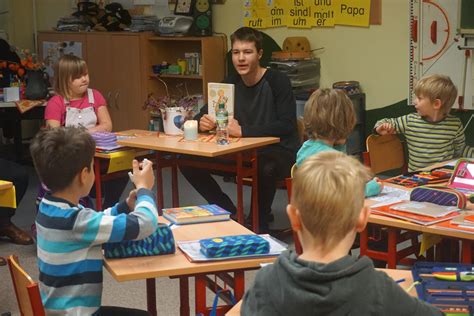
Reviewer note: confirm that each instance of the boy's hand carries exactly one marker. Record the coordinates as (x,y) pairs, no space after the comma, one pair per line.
(385,128)
(131,199)
(234,128)
(144,177)
(206,123)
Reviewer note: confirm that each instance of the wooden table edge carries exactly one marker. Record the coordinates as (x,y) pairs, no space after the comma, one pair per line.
(230,149)
(230,265)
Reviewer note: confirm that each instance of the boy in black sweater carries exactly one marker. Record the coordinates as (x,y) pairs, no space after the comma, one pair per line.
(264,106)
(327,210)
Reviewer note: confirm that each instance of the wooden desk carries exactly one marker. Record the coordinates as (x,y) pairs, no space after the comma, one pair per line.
(9,112)
(172,145)
(394,225)
(394,274)
(178,266)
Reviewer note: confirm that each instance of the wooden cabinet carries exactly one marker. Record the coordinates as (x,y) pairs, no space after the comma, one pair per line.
(212,50)
(117,63)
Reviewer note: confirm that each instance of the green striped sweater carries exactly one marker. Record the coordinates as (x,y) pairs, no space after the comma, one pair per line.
(429,142)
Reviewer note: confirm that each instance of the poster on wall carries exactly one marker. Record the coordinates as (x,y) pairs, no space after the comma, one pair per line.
(52,51)
(306,13)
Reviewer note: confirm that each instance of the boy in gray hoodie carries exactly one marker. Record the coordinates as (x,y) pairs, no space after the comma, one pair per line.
(327,211)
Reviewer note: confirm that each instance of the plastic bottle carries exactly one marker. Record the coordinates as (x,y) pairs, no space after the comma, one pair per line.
(222,119)
(151,125)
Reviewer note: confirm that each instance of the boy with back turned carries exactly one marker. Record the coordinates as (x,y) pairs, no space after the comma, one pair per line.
(327,211)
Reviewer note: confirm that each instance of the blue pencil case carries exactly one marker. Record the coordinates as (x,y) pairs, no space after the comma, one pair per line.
(232,246)
(161,242)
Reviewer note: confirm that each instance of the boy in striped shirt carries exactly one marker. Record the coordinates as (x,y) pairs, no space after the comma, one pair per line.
(69,236)
(432,134)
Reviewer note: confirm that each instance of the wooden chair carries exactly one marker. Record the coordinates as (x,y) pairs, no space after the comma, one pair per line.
(26,290)
(385,153)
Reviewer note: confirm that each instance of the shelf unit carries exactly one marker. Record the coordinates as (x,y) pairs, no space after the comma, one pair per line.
(212,50)
(164,76)
(117,64)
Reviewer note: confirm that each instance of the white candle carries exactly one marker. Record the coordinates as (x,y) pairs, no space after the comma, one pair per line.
(190,130)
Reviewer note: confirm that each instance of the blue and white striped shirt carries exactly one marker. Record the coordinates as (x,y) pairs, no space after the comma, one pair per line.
(69,240)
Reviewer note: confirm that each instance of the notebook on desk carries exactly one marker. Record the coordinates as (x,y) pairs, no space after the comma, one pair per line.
(388,210)
(425,208)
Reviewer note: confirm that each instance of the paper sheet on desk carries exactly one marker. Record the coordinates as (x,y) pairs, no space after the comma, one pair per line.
(390,195)
(192,250)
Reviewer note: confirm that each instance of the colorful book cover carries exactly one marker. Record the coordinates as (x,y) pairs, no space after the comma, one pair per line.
(463,176)
(218,93)
(196,214)
(387,210)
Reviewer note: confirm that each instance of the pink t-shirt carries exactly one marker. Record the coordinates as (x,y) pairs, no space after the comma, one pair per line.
(55,109)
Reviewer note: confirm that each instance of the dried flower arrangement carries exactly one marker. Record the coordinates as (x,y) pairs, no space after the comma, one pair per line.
(185,102)
(28,61)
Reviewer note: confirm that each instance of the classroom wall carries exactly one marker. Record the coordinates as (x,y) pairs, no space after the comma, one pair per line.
(376,56)
(49,11)
(18,22)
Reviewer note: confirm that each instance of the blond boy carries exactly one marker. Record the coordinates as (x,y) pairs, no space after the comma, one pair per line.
(432,134)
(327,210)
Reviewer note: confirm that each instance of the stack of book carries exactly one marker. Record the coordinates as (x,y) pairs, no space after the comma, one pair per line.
(105,141)
(193,61)
(422,213)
